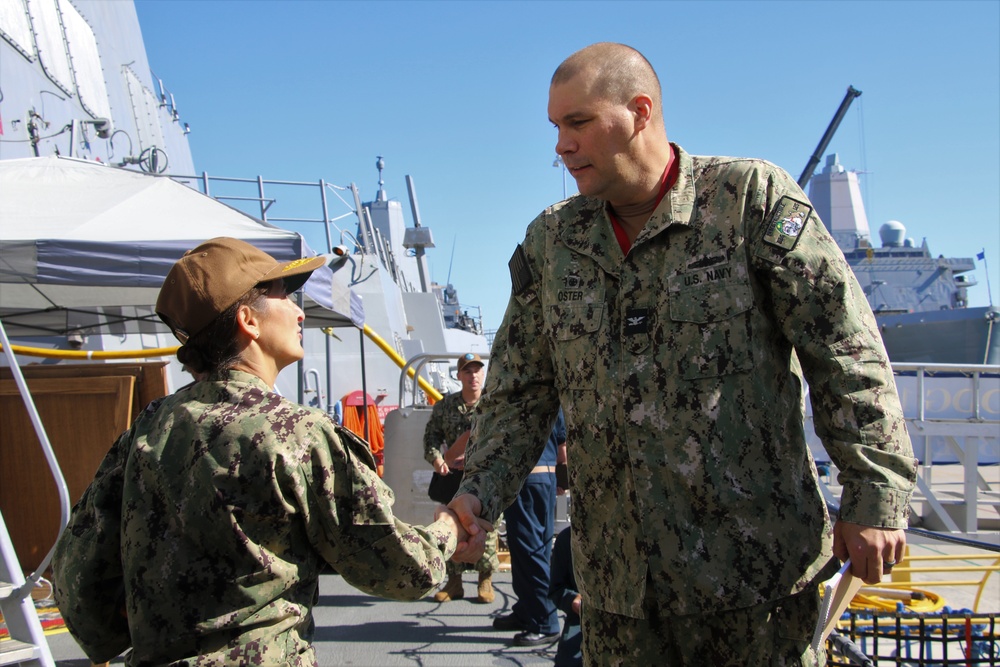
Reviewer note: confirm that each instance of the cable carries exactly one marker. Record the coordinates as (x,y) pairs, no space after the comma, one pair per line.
(24,141)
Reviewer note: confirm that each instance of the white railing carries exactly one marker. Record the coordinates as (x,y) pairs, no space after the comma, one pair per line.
(953,418)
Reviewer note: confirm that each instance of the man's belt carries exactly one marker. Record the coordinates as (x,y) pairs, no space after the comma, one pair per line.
(543,469)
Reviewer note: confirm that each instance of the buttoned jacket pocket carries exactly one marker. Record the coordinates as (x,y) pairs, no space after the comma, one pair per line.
(575,331)
(712,326)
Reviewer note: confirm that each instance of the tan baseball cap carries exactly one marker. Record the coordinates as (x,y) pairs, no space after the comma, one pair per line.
(469,358)
(213,276)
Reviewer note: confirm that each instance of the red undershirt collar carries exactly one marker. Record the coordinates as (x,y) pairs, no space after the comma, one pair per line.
(667,181)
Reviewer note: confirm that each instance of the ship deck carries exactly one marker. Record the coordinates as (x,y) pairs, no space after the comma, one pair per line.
(355,629)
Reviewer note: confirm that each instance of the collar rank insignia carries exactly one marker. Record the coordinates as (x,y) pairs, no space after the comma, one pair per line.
(636,321)
(785,223)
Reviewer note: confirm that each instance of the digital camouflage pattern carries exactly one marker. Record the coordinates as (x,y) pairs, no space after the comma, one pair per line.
(673,366)
(778,634)
(201,539)
(449,419)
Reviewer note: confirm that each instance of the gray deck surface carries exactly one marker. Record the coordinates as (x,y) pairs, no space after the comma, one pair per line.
(355,629)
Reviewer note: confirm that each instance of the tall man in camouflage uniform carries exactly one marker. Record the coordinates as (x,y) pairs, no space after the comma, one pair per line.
(662,308)
(445,438)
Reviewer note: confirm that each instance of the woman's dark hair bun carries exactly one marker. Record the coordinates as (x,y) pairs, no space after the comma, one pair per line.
(193,358)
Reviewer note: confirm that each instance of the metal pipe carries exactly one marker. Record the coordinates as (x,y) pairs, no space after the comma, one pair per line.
(326,216)
(50,457)
(424,384)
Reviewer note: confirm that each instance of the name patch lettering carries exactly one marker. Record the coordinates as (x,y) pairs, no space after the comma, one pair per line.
(708,276)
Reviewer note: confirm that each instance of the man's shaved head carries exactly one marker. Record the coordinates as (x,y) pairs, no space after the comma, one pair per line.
(617,72)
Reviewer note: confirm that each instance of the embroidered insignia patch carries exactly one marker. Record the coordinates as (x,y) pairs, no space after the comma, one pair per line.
(296,263)
(786,222)
(520,273)
(636,321)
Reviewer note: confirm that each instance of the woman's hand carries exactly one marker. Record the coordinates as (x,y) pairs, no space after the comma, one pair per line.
(442,512)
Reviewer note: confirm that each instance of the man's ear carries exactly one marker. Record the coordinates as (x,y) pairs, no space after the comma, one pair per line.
(641,107)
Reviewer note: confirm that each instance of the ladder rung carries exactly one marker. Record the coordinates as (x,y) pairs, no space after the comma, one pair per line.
(6,589)
(13,652)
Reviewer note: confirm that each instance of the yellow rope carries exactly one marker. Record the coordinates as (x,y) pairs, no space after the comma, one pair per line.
(93,354)
(931,602)
(428,388)
(431,392)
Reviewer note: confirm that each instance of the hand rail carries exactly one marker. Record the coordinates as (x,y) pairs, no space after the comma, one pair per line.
(414,365)
(25,589)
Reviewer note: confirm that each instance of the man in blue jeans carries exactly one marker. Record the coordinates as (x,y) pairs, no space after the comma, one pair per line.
(530,529)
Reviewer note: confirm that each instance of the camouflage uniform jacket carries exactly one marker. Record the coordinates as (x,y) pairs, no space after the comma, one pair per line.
(449,419)
(673,365)
(201,539)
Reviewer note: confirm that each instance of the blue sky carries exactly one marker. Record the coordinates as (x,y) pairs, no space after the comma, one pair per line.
(454,94)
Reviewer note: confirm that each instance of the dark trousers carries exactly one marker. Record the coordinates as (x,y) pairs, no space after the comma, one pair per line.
(530,527)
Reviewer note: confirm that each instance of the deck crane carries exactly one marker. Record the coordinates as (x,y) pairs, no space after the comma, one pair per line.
(807,173)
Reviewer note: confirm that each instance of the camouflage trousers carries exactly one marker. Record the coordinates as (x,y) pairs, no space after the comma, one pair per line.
(487,564)
(777,634)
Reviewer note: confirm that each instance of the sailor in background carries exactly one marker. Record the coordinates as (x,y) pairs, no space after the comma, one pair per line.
(564,594)
(530,522)
(445,438)
(661,308)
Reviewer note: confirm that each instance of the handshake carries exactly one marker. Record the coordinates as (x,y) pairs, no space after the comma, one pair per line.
(462,514)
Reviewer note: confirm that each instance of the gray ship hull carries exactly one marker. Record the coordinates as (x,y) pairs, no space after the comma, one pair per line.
(964,336)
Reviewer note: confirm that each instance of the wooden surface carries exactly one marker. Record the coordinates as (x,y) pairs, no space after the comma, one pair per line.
(83,408)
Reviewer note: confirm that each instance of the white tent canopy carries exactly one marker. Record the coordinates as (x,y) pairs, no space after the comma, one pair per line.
(84,248)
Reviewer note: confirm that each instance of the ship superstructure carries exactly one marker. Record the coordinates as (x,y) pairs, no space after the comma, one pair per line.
(920,301)
(76,82)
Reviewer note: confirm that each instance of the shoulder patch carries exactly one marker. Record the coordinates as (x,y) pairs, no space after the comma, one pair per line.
(520,273)
(785,223)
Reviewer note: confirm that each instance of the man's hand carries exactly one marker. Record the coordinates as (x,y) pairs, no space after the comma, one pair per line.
(455,455)
(440,467)
(873,551)
(468,508)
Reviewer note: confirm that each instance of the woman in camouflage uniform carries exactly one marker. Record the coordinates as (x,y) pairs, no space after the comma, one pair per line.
(201,539)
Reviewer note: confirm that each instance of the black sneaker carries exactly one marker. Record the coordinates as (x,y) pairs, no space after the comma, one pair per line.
(508,622)
(534,638)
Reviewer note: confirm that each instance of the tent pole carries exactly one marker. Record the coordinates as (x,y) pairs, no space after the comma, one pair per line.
(329,378)
(300,299)
(364,388)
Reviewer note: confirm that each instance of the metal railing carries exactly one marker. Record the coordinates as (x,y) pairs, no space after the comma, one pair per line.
(952,415)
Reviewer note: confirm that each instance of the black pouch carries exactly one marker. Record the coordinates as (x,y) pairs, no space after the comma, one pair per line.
(562,475)
(443,487)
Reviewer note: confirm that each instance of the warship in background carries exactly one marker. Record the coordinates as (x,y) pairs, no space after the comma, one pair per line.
(76,82)
(920,301)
